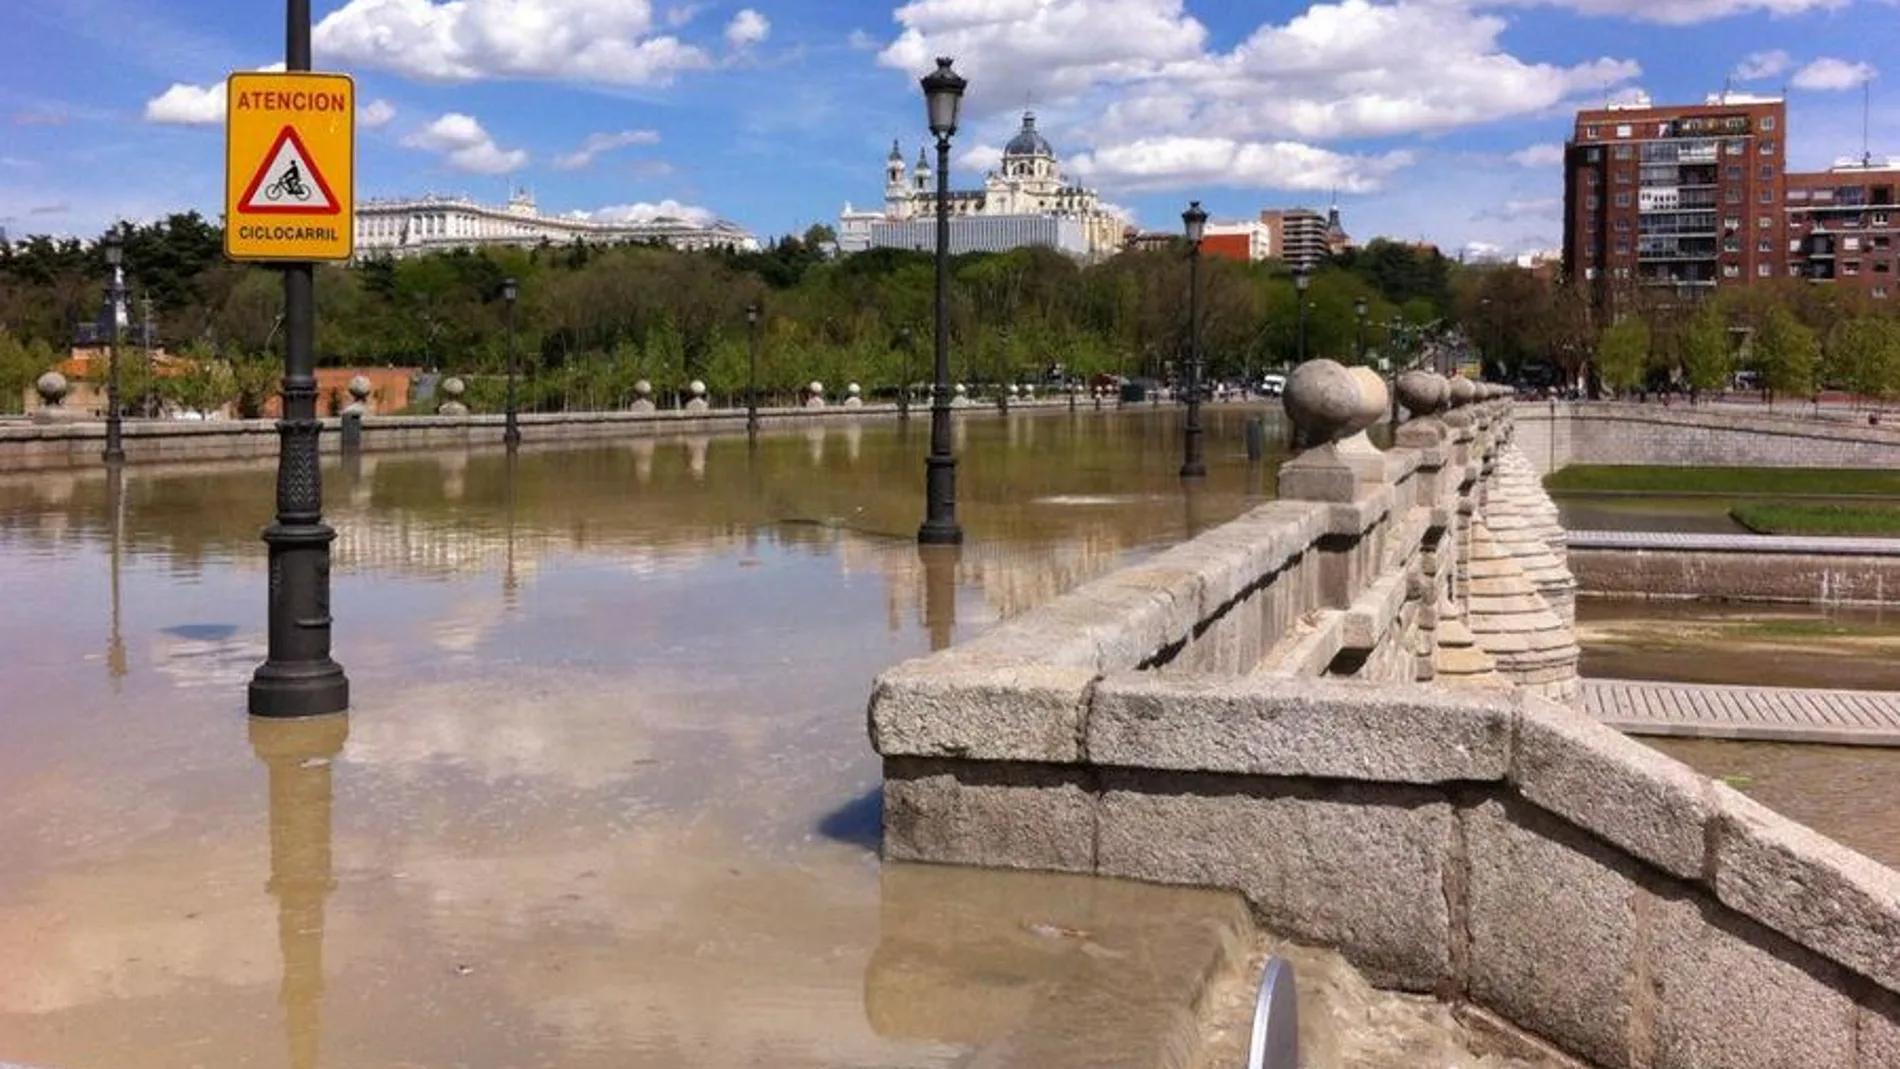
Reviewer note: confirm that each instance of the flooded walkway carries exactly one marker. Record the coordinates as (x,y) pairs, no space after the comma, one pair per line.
(1773,714)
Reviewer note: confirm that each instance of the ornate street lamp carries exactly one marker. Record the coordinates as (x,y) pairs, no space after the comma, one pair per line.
(1193,464)
(1004,376)
(752,373)
(115,299)
(1301,279)
(1359,314)
(511,434)
(943,96)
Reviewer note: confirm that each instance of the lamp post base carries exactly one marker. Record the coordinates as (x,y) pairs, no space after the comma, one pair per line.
(940,527)
(939,533)
(295,690)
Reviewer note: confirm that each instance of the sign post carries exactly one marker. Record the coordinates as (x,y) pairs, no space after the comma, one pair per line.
(289,197)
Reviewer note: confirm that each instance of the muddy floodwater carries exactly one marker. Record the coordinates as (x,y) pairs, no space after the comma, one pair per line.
(605,796)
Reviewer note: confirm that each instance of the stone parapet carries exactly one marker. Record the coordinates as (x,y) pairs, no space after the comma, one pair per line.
(1554,434)
(1434,837)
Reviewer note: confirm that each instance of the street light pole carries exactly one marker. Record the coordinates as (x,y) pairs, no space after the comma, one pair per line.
(943,95)
(298,677)
(1359,342)
(1300,281)
(752,373)
(115,297)
(511,433)
(1193,463)
(1003,373)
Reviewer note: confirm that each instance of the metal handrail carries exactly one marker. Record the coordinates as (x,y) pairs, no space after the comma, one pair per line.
(1276,1020)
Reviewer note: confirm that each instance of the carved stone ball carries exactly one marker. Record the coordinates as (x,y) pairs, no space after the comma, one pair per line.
(853,389)
(1029,390)
(1323,399)
(696,388)
(1463,391)
(1374,397)
(1013,391)
(453,387)
(360,387)
(643,388)
(52,387)
(962,389)
(816,388)
(1424,393)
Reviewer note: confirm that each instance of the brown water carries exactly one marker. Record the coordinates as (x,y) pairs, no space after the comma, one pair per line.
(605,796)
(1746,644)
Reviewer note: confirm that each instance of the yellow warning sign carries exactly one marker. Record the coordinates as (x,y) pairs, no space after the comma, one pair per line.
(289,186)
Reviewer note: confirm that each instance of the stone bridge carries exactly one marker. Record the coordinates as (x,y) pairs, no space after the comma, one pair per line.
(1552,434)
(1352,706)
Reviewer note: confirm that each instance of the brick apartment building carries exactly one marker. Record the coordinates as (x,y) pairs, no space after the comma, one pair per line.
(1695,196)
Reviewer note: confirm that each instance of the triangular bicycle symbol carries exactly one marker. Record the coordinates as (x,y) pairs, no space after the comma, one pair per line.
(287,182)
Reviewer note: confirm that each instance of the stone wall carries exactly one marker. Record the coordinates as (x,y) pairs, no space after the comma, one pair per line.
(1809,571)
(1246,711)
(32,446)
(1553,434)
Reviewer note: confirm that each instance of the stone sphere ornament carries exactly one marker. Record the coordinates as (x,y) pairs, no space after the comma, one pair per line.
(1463,391)
(52,387)
(1327,401)
(360,387)
(1424,393)
(696,388)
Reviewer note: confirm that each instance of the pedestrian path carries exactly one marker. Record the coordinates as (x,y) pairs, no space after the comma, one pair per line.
(1778,714)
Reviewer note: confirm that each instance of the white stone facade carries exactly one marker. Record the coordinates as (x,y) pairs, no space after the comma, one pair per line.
(1027,184)
(411,226)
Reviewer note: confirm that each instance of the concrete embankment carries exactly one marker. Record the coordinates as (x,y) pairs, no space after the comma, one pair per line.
(64,445)
(1716,567)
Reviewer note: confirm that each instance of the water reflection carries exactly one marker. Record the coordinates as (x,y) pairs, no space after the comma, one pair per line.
(940,593)
(298,756)
(115,507)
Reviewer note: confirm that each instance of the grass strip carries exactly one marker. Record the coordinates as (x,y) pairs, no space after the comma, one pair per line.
(1785,518)
(1738,482)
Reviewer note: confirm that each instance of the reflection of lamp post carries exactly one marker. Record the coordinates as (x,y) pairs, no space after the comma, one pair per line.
(115,296)
(940,593)
(510,584)
(752,372)
(298,755)
(1300,281)
(1193,464)
(1359,316)
(943,94)
(512,433)
(903,388)
(115,506)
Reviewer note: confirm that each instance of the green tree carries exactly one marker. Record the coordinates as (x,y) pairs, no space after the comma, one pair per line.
(1704,350)
(1622,352)
(1785,353)
(1861,356)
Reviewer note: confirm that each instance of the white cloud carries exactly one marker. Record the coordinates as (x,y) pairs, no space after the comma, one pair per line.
(1828,73)
(599,143)
(376,113)
(747,28)
(1686,12)
(861,41)
(612,42)
(192,105)
(680,14)
(646,213)
(1758,65)
(1138,79)
(1172,162)
(1545,155)
(1518,209)
(466,146)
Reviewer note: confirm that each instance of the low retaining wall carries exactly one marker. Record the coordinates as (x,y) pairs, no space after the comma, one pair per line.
(30,446)
(1812,571)
(1498,849)
(1555,434)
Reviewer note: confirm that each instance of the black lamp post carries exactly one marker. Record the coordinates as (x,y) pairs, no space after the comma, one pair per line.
(1300,281)
(1393,335)
(115,299)
(1003,373)
(1359,343)
(943,95)
(1193,464)
(903,388)
(511,434)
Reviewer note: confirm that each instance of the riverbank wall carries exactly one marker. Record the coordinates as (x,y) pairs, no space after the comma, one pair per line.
(1351,706)
(1765,568)
(58,446)
(1553,434)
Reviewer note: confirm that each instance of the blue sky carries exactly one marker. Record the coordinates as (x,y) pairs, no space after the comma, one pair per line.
(1435,119)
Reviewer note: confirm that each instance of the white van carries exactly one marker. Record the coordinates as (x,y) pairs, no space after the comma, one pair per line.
(1273,385)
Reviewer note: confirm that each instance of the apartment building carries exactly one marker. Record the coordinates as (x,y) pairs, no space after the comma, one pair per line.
(1687,197)
(1302,237)
(1843,224)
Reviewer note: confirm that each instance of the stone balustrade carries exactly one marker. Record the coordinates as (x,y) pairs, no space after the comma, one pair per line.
(1349,705)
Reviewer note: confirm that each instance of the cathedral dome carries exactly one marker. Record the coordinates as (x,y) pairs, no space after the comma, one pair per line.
(1027,141)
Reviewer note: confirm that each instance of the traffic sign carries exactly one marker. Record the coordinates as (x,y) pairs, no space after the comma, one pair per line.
(289,190)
